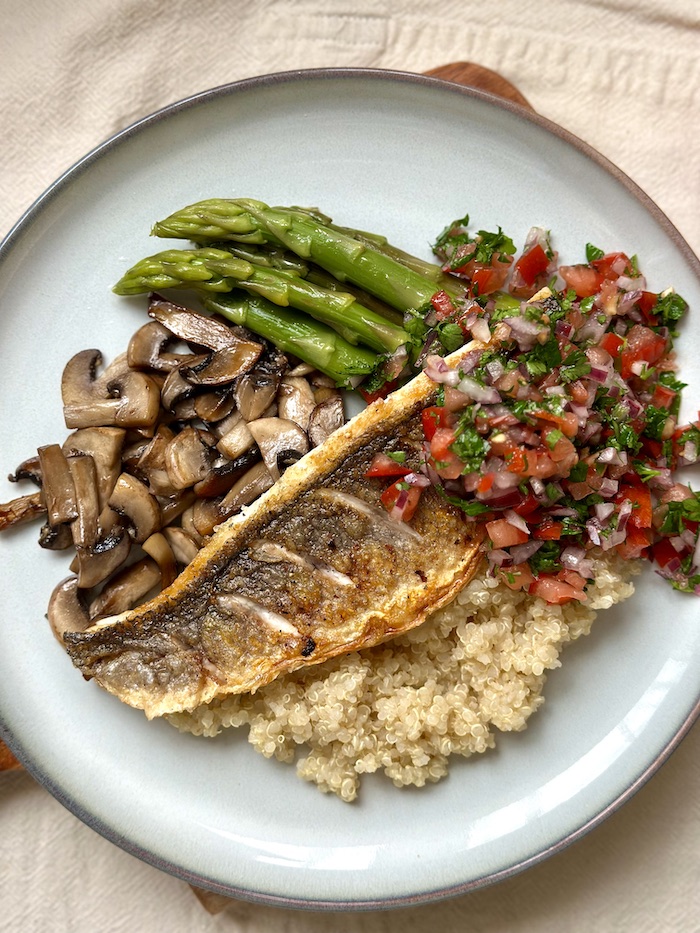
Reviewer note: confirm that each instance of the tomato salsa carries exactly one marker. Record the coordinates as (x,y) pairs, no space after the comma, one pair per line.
(560,428)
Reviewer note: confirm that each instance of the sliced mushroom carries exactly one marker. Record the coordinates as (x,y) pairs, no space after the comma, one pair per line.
(280,441)
(29,469)
(188,524)
(213,407)
(105,446)
(254,393)
(190,325)
(225,365)
(187,458)
(150,466)
(132,500)
(177,387)
(223,473)
(67,611)
(252,484)
(237,439)
(58,487)
(126,589)
(158,548)
(326,418)
(147,349)
(21,510)
(56,538)
(257,390)
(85,528)
(183,546)
(95,564)
(131,399)
(295,400)
(206,516)
(173,507)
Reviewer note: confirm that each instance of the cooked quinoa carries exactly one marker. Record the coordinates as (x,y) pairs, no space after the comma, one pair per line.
(476,666)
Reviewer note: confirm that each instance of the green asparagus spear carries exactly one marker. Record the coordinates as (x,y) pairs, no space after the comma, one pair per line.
(184,268)
(310,237)
(215,270)
(312,342)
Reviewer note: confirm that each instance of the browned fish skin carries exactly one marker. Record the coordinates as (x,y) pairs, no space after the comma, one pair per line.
(314,569)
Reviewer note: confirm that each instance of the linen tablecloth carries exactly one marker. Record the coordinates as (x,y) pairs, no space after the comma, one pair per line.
(624,75)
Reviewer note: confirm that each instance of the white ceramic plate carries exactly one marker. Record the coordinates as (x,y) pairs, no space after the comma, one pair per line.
(401,155)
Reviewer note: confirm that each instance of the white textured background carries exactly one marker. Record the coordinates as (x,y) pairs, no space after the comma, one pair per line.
(622,74)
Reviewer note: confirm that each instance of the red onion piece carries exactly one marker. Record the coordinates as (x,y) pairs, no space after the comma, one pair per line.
(516,520)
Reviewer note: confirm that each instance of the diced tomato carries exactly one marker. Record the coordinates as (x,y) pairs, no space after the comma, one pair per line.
(548,530)
(640,497)
(554,591)
(443,305)
(612,265)
(646,304)
(642,345)
(383,465)
(445,461)
(636,542)
(584,280)
(532,263)
(485,483)
(567,423)
(396,493)
(381,392)
(517,577)
(612,343)
(503,534)
(663,397)
(434,417)
(441,442)
(564,454)
(486,279)
(517,461)
(481,281)
(573,578)
(527,507)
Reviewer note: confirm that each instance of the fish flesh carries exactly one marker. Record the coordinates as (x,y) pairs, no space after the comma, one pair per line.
(314,568)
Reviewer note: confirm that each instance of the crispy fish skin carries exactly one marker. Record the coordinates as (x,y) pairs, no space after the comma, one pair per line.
(314,568)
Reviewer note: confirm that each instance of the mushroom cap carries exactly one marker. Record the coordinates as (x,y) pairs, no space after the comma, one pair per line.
(67,611)
(280,442)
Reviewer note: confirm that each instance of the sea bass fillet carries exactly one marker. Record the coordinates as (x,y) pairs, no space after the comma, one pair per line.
(314,568)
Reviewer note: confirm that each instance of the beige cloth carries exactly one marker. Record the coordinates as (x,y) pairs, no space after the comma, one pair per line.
(622,74)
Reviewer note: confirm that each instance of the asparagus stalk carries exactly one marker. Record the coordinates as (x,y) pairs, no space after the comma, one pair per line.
(215,270)
(184,268)
(307,234)
(312,342)
(429,270)
(276,258)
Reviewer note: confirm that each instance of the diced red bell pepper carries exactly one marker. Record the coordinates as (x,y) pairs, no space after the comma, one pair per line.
(636,542)
(663,552)
(640,497)
(532,263)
